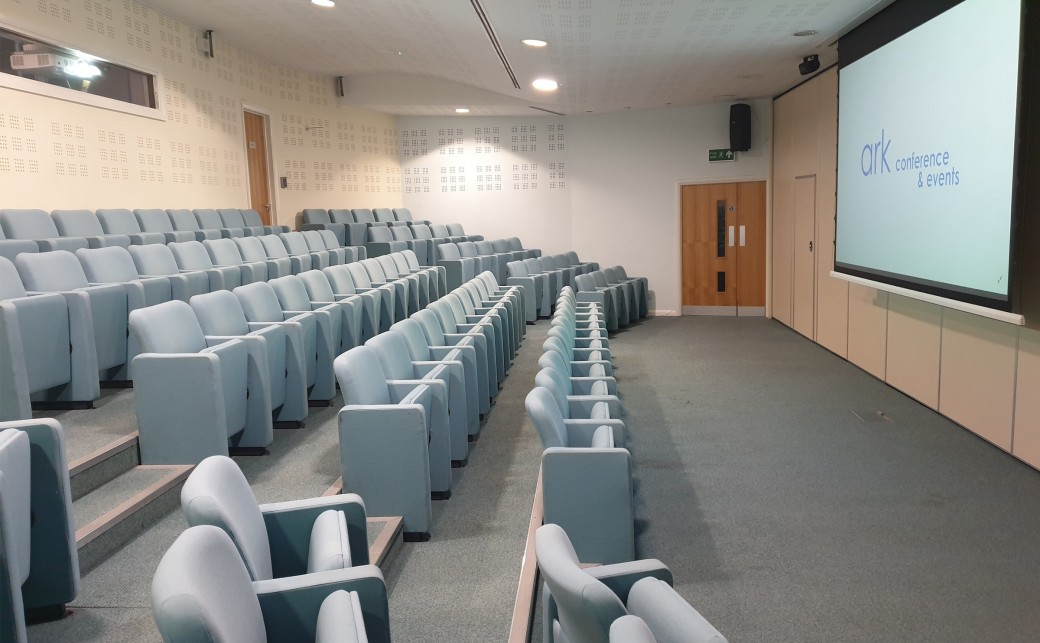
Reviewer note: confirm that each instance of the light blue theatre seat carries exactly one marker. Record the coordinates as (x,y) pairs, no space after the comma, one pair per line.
(252,250)
(10,248)
(184,221)
(155,260)
(254,220)
(275,248)
(470,344)
(85,224)
(384,437)
(157,221)
(209,219)
(192,256)
(233,220)
(195,397)
(120,221)
(225,253)
(202,593)
(37,226)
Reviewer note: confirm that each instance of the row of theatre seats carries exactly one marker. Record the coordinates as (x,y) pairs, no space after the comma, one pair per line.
(31,230)
(64,315)
(588,497)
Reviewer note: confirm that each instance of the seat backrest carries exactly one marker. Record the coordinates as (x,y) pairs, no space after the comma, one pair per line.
(403,214)
(389,266)
(431,326)
(183,219)
(153,220)
(190,255)
(231,217)
(313,240)
(363,215)
(455,304)
(341,278)
(556,383)
(455,230)
(384,215)
(400,261)
(216,493)
(517,269)
(392,351)
(330,238)
(599,278)
(445,315)
(54,271)
(252,218)
(611,275)
(410,259)
(17,492)
(107,265)
(208,218)
(533,265)
(545,415)
(220,313)
(118,221)
(201,591)
(27,224)
(295,243)
(341,215)
(411,330)
(485,247)
(359,275)
(422,231)
(375,270)
(291,293)
(222,252)
(449,251)
(154,259)
(251,248)
(514,243)
(380,234)
(260,302)
(316,215)
(402,232)
(317,284)
(169,327)
(467,249)
(10,281)
(586,607)
(572,257)
(502,245)
(77,223)
(439,230)
(274,246)
(361,378)
(585,282)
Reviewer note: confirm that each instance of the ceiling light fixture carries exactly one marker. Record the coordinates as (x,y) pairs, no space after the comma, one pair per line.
(545,84)
(534,42)
(462,110)
(805,33)
(324,3)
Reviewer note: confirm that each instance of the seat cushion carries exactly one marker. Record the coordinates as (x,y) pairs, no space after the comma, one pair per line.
(600,411)
(329,548)
(340,619)
(600,387)
(602,438)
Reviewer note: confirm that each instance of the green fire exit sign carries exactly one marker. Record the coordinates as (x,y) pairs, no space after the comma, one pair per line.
(724,154)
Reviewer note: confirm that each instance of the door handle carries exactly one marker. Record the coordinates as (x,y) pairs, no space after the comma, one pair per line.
(810,246)
(731,236)
(743,236)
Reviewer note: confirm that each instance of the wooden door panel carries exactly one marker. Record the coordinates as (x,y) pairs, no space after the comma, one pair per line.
(804,282)
(702,264)
(256,160)
(751,244)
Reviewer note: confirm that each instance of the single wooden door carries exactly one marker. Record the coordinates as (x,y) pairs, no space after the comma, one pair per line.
(257,162)
(723,248)
(803,295)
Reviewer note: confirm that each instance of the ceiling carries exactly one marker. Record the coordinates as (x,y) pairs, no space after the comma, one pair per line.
(427,57)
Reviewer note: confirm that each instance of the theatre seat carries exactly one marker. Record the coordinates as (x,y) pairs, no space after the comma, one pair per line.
(85,224)
(595,604)
(202,592)
(157,221)
(155,260)
(185,221)
(37,226)
(195,397)
(120,221)
(10,248)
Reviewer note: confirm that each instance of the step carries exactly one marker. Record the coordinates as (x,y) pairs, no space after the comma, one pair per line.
(104,465)
(113,513)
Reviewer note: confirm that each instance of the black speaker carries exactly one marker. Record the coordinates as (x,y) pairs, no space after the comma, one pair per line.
(740,127)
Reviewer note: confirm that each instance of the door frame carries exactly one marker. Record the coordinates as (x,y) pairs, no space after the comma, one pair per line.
(769,229)
(271,173)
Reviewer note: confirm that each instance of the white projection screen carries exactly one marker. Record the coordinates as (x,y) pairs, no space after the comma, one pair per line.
(927,131)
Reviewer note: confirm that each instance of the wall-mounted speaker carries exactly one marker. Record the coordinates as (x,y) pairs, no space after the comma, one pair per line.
(740,127)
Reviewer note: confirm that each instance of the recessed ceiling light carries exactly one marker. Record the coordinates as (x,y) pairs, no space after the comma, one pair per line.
(534,42)
(462,110)
(805,33)
(324,3)
(545,84)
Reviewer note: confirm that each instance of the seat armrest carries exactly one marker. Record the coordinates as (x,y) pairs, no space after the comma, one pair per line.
(620,577)
(581,405)
(289,530)
(290,605)
(579,432)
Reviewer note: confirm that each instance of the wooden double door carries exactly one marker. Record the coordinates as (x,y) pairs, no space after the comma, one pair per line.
(724,248)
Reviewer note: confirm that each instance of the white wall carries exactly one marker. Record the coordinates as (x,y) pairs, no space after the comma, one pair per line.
(61,154)
(617,201)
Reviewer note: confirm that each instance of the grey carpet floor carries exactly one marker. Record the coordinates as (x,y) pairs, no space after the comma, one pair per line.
(782,515)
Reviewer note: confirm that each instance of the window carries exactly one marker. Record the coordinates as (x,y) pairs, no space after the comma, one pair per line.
(39,61)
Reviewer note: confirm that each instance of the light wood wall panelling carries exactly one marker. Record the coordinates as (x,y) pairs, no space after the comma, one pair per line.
(914,340)
(868,329)
(1026,444)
